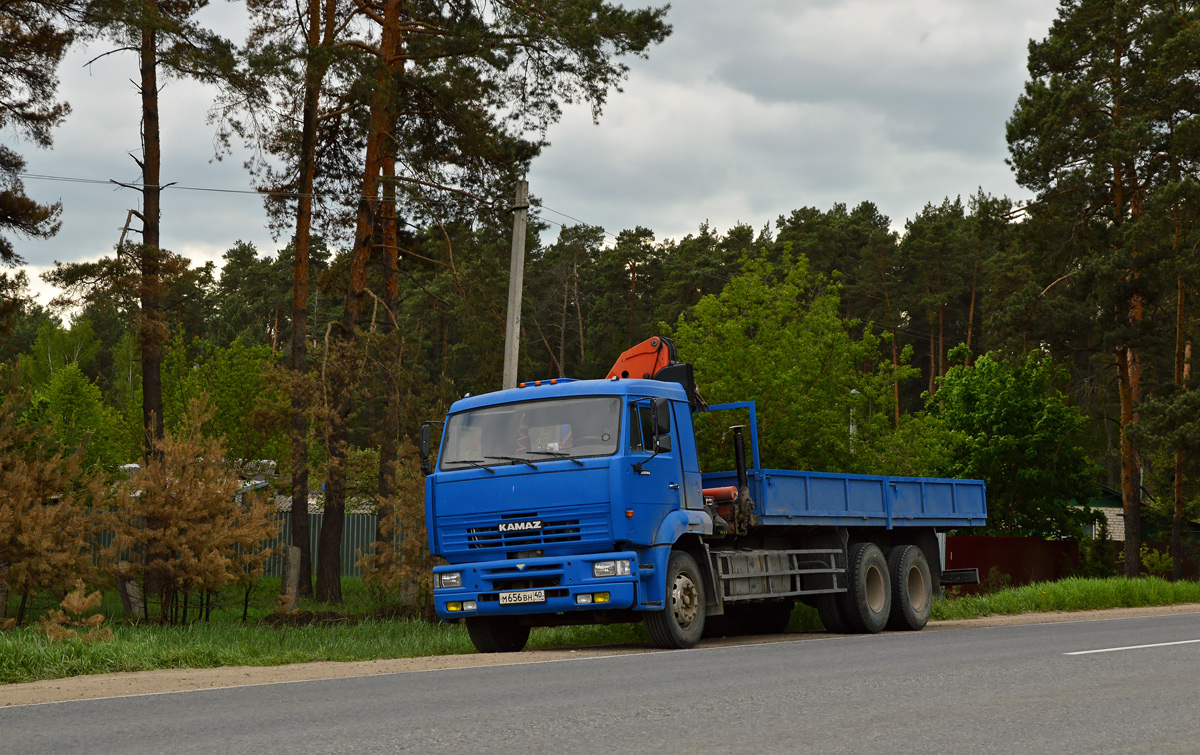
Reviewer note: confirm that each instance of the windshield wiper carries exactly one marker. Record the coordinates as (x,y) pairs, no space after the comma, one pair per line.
(478,463)
(513,459)
(558,454)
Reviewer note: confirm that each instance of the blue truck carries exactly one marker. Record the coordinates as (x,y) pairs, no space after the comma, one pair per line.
(583,502)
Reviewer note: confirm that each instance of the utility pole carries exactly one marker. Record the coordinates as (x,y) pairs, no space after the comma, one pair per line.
(516,282)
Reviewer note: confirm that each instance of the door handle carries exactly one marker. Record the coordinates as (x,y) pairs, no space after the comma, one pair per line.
(674,486)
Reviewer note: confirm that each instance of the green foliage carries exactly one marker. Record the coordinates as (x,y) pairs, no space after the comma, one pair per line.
(57,347)
(245,393)
(1016,432)
(1097,557)
(1157,563)
(823,396)
(74,406)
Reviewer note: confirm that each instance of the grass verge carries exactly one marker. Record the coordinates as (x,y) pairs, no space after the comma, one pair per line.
(1072,594)
(27,655)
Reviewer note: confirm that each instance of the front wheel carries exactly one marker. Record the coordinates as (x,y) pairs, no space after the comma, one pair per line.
(680,624)
(491,634)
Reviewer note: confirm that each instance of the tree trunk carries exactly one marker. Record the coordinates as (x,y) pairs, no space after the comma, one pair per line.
(562,330)
(632,299)
(390,421)
(151,335)
(1130,474)
(941,344)
(578,307)
(971,312)
(1180,379)
(329,587)
(895,382)
(932,360)
(314,78)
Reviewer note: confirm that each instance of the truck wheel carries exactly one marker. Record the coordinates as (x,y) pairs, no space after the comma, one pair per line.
(491,634)
(868,600)
(680,624)
(768,618)
(829,608)
(912,588)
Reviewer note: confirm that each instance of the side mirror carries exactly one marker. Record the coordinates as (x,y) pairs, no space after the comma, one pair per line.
(661,411)
(426,462)
(662,444)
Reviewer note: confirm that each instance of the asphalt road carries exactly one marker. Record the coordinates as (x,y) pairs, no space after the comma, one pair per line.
(1000,689)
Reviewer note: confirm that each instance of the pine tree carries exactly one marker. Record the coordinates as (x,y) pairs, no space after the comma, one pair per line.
(1087,135)
(180,529)
(34,36)
(46,518)
(168,41)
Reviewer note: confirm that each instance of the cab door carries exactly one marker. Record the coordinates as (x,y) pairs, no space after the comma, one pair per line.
(654,481)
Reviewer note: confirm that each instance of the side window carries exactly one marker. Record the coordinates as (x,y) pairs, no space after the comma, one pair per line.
(641,432)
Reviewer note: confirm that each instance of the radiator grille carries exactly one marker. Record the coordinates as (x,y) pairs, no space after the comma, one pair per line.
(560,526)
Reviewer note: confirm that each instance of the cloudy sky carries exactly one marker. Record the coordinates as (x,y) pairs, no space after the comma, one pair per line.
(748,111)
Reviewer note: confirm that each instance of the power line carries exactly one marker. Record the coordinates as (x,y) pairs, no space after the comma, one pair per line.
(214,190)
(293,195)
(572,217)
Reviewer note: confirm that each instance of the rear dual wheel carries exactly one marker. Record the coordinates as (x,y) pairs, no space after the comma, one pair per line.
(912,588)
(895,591)
(867,602)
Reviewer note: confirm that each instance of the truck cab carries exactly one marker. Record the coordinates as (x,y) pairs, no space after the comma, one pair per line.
(560,499)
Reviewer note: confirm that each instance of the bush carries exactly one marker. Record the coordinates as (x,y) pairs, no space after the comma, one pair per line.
(1097,557)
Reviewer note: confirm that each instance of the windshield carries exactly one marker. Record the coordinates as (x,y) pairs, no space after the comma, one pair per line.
(532,432)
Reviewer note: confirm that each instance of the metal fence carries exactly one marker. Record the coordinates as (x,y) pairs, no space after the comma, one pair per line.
(358,533)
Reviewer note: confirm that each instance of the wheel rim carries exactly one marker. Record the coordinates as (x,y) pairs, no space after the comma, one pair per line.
(876,589)
(685,601)
(917,593)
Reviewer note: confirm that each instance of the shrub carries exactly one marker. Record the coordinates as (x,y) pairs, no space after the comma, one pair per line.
(179,527)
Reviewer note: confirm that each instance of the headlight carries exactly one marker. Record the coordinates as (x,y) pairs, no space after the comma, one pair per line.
(449,579)
(611,568)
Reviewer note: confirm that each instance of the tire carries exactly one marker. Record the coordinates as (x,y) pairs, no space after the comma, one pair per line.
(829,608)
(912,588)
(491,634)
(768,618)
(680,624)
(868,600)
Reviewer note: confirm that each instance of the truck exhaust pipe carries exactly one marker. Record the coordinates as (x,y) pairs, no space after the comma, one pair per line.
(739,452)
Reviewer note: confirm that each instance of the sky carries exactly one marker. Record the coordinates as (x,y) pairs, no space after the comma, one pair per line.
(747,112)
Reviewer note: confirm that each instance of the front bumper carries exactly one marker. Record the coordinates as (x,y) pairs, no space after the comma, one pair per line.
(561,577)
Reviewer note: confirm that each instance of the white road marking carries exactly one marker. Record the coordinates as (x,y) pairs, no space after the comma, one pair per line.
(1132,647)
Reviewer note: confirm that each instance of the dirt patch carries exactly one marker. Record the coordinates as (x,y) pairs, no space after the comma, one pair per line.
(180,680)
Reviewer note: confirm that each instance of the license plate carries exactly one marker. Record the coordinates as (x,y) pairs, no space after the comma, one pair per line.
(522,596)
